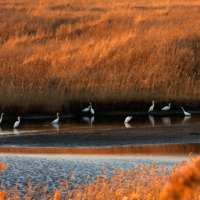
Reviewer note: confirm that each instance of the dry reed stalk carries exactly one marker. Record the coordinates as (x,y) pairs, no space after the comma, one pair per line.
(139,183)
(113,53)
(183,183)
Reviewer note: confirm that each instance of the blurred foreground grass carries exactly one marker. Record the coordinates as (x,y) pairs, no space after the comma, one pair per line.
(149,183)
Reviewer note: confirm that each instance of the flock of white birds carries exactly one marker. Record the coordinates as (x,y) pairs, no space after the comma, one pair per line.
(89,108)
(16,124)
(166,108)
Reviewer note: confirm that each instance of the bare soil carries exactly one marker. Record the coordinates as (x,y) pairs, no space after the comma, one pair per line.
(157,135)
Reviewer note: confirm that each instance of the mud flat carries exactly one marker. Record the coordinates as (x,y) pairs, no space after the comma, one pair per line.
(142,136)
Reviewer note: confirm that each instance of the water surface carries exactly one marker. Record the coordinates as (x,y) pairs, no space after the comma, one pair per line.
(29,126)
(47,169)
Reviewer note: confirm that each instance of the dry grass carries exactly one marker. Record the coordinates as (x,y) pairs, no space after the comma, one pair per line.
(150,183)
(60,55)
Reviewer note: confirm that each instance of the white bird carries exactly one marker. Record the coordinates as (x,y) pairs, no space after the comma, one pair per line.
(1,117)
(127,119)
(86,109)
(56,120)
(166,107)
(91,109)
(152,107)
(186,113)
(16,124)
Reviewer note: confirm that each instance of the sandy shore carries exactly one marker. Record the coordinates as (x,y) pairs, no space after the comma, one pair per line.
(157,135)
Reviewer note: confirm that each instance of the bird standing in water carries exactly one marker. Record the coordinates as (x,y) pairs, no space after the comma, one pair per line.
(16,124)
(166,108)
(56,120)
(152,107)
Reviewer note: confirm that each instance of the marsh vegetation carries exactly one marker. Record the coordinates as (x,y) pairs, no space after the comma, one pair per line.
(61,55)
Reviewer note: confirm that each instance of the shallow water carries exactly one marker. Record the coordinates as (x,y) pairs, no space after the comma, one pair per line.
(47,169)
(29,126)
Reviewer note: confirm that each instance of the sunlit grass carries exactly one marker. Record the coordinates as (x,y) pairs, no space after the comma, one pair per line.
(60,55)
(151,182)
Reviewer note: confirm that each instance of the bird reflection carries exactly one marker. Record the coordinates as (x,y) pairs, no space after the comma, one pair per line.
(88,120)
(186,119)
(166,120)
(151,119)
(127,125)
(56,126)
(16,131)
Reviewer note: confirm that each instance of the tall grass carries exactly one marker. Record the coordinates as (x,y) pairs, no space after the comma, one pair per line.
(149,183)
(60,55)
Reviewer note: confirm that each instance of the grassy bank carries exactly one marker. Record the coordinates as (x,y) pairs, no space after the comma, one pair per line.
(61,55)
(149,183)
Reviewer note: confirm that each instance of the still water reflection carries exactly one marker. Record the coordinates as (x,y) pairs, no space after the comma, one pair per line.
(92,122)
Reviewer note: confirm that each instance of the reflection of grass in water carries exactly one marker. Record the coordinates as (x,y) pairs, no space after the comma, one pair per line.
(138,183)
(113,53)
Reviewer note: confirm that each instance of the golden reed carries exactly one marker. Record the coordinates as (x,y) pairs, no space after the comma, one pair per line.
(61,55)
(139,183)
(183,183)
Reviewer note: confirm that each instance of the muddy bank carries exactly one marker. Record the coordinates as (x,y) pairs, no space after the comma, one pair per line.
(127,150)
(157,135)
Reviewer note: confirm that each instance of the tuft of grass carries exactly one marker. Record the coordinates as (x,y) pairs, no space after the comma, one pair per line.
(120,55)
(151,182)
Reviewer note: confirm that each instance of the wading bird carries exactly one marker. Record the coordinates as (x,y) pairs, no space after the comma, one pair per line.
(1,117)
(16,124)
(186,113)
(86,109)
(91,109)
(56,120)
(152,107)
(166,107)
(127,119)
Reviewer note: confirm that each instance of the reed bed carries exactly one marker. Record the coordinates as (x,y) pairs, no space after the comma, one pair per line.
(149,183)
(61,55)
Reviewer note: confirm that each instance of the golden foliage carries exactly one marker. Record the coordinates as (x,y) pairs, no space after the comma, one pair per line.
(150,183)
(183,183)
(3,166)
(107,52)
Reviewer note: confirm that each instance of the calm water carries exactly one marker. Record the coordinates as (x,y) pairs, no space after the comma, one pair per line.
(94,122)
(47,169)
